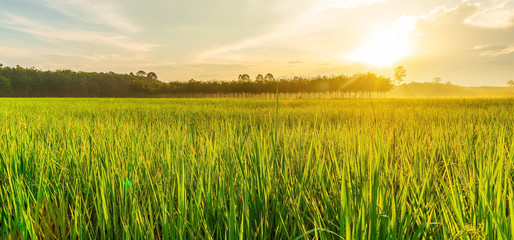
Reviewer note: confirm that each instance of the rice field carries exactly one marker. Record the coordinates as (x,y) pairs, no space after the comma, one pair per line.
(230,169)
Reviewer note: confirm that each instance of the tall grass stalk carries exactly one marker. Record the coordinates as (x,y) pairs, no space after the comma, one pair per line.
(203,169)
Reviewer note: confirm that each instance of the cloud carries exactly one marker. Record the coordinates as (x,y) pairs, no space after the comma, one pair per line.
(38,53)
(50,59)
(223,50)
(493,14)
(291,34)
(348,4)
(462,40)
(7,51)
(102,12)
(50,33)
(450,29)
(447,45)
(494,50)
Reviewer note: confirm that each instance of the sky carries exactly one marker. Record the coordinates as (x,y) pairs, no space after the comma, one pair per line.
(466,42)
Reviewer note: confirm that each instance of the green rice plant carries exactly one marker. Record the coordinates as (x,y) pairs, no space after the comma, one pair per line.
(233,169)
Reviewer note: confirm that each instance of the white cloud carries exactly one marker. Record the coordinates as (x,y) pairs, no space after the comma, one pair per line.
(352,3)
(461,52)
(7,51)
(38,52)
(101,12)
(494,51)
(493,14)
(316,17)
(48,33)
(50,59)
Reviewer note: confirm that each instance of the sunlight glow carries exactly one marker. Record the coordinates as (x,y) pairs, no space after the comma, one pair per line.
(383,49)
(386,46)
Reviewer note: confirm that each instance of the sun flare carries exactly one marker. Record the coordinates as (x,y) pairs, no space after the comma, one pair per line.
(386,46)
(383,49)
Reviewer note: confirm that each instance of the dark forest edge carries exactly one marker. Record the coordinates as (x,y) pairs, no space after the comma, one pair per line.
(30,82)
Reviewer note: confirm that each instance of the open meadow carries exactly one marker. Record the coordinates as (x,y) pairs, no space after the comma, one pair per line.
(229,169)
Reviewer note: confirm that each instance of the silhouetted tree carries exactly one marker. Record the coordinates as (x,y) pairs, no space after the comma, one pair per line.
(399,74)
(141,73)
(24,82)
(259,78)
(269,77)
(152,75)
(437,80)
(510,83)
(244,77)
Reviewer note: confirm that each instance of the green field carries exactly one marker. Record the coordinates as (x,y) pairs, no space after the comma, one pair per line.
(211,169)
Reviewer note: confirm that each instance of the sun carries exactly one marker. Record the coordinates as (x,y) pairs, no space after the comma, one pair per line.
(383,49)
(386,46)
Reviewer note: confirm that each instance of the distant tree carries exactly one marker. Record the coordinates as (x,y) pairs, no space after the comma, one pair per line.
(269,77)
(141,73)
(510,83)
(437,80)
(244,77)
(5,85)
(131,74)
(19,82)
(152,75)
(399,74)
(259,78)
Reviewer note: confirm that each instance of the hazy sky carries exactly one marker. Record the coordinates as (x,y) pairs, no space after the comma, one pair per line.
(465,42)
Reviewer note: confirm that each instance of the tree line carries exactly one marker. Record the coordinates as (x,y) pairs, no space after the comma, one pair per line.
(30,82)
